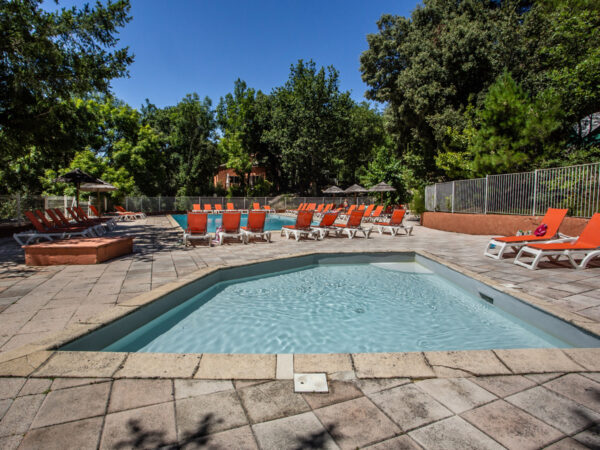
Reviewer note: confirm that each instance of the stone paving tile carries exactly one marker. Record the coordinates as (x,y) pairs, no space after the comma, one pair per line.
(409,407)
(578,388)
(246,367)
(10,387)
(236,439)
(589,437)
(328,363)
(130,394)
(4,405)
(147,427)
(82,364)
(540,360)
(456,394)
(369,386)
(555,410)
(35,386)
(138,365)
(567,444)
(473,362)
(356,423)
(72,404)
(592,376)
(272,400)
(339,391)
(81,435)
(453,433)
(391,365)
(299,431)
(505,385)
(511,426)
(206,414)
(194,388)
(541,378)
(64,383)
(10,442)
(19,416)
(403,442)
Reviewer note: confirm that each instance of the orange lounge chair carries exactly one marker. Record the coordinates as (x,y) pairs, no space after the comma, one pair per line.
(255,206)
(230,227)
(375,214)
(42,232)
(552,219)
(207,208)
(586,246)
(326,224)
(295,210)
(60,227)
(267,208)
(83,222)
(395,224)
(327,207)
(137,215)
(256,226)
(196,207)
(218,207)
(350,209)
(107,222)
(352,226)
(230,207)
(197,224)
(368,211)
(320,208)
(301,227)
(361,208)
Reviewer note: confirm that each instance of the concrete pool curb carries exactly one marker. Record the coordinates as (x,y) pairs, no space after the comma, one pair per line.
(42,359)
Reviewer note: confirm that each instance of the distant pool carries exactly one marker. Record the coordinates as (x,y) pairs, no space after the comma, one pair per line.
(273,222)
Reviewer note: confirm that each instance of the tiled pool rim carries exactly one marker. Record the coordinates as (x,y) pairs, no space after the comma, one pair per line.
(43,359)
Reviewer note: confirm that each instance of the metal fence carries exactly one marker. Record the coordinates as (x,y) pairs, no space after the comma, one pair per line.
(13,206)
(529,193)
(282,202)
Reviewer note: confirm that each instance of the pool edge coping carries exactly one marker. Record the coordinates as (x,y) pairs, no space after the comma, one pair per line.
(35,356)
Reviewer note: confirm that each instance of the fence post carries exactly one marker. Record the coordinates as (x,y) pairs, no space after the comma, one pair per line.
(453,197)
(485,208)
(535,178)
(159,210)
(65,204)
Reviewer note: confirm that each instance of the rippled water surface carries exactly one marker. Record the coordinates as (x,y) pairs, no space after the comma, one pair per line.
(335,309)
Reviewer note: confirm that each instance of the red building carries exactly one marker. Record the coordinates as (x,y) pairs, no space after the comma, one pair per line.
(228,177)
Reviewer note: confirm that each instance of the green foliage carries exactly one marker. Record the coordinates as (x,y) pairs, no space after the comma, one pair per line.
(261,188)
(417,204)
(386,166)
(48,59)
(442,74)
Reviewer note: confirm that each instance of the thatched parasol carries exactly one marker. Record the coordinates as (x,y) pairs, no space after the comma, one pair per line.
(102,186)
(333,190)
(382,187)
(77,177)
(355,189)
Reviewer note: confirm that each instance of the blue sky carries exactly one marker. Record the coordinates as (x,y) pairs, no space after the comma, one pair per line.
(184,46)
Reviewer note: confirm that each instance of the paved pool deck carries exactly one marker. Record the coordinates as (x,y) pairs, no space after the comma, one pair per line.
(482,399)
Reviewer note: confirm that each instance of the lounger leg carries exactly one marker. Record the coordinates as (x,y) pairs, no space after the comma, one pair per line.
(380,229)
(501,246)
(584,262)
(268,236)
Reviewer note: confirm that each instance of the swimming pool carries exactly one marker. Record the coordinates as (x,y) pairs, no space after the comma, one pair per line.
(335,304)
(272,222)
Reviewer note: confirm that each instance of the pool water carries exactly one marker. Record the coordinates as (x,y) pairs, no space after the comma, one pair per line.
(337,308)
(272,222)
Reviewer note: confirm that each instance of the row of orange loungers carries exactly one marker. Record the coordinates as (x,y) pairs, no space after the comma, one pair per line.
(370,213)
(552,244)
(219,208)
(353,225)
(56,226)
(197,228)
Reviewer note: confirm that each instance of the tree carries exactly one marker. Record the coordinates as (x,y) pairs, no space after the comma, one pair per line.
(303,126)
(241,145)
(48,58)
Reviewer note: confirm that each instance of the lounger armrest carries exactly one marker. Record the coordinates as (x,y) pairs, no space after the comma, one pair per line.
(559,241)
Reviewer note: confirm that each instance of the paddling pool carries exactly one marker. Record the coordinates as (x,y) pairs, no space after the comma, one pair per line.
(342,303)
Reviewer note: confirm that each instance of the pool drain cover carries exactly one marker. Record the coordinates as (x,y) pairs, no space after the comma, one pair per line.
(310,382)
